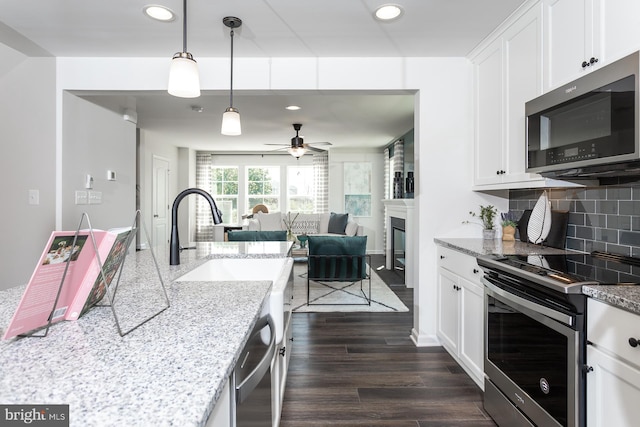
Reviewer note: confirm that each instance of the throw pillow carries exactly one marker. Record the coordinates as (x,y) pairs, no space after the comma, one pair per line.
(337,223)
(270,221)
(351,229)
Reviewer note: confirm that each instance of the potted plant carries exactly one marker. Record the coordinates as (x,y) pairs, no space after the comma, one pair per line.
(487,216)
(508,227)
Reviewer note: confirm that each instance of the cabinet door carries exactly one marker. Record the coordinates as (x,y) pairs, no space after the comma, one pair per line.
(569,41)
(523,62)
(619,31)
(613,391)
(472,329)
(489,116)
(448,310)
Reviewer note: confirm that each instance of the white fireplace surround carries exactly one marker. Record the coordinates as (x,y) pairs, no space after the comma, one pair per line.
(403,209)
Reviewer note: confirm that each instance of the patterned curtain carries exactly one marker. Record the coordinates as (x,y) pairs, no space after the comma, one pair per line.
(398,156)
(321,182)
(204,220)
(387,181)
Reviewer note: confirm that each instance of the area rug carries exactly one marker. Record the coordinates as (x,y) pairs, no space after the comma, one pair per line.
(342,297)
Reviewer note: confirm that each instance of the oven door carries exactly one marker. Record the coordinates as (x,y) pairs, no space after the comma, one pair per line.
(533,357)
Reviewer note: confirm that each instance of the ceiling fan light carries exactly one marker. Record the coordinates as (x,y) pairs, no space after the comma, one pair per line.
(297,152)
(231,122)
(184,78)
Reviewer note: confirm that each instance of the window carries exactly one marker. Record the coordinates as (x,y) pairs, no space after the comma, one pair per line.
(224,189)
(263,187)
(300,189)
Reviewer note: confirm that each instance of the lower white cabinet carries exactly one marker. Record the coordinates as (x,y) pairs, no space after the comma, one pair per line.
(460,316)
(613,381)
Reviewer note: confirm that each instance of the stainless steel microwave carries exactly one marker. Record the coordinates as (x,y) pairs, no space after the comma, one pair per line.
(589,127)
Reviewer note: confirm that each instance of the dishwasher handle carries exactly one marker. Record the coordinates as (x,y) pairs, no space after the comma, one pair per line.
(244,389)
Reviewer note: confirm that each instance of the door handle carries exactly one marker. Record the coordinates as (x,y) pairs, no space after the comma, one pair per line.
(155,216)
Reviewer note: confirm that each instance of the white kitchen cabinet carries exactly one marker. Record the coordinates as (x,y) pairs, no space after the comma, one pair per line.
(221,414)
(508,73)
(569,41)
(460,311)
(578,32)
(613,381)
(489,115)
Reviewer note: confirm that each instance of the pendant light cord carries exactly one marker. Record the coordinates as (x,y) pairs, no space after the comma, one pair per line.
(231,91)
(184,26)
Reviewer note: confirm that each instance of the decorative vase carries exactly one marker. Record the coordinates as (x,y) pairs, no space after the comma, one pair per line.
(397,186)
(508,233)
(488,234)
(290,236)
(409,186)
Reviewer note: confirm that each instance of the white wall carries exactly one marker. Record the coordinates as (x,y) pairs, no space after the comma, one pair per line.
(373,225)
(96,140)
(154,144)
(27,120)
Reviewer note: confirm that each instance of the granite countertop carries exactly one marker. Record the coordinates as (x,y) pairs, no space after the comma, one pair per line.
(169,371)
(621,296)
(478,247)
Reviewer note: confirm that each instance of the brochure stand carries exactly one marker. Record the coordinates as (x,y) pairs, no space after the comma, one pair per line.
(144,300)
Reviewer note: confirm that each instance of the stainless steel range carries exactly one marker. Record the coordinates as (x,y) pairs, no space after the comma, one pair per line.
(535,345)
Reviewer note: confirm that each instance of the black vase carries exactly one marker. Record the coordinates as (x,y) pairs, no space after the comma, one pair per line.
(409,186)
(397,186)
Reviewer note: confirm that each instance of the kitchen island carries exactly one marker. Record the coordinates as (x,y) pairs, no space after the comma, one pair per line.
(169,371)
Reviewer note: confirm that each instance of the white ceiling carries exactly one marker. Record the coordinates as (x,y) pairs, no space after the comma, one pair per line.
(271,28)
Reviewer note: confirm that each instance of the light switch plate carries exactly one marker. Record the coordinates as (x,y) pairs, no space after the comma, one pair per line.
(34,197)
(95,197)
(81,197)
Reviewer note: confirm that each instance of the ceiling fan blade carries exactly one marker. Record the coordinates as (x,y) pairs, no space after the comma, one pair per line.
(315,149)
(320,144)
(277,143)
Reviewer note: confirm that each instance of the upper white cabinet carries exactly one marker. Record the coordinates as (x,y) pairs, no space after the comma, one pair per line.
(508,73)
(582,35)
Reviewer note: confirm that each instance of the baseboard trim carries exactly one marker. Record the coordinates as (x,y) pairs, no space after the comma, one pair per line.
(424,340)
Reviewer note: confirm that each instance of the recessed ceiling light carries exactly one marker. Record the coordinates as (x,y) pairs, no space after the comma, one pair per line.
(159,13)
(292,108)
(388,12)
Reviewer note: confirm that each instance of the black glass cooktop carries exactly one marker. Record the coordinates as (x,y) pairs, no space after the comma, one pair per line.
(600,267)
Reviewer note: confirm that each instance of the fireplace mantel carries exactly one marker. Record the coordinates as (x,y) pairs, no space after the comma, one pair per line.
(403,209)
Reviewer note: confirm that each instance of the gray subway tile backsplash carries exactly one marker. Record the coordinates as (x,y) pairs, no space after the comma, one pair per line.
(604,218)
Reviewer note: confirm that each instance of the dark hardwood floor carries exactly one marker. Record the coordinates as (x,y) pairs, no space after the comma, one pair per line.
(361,369)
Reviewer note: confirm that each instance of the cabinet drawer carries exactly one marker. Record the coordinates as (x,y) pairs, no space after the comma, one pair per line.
(610,328)
(460,263)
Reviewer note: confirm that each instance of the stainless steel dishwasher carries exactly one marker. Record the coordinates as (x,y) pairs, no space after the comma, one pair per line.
(252,377)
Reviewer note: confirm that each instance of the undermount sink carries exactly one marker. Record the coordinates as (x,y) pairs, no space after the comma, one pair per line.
(275,270)
(236,270)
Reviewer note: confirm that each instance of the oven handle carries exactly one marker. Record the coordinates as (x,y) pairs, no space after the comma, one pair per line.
(553,314)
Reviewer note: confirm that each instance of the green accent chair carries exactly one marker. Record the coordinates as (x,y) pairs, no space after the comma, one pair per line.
(339,263)
(256,236)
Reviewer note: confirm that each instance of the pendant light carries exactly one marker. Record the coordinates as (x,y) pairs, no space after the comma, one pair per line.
(184,78)
(231,117)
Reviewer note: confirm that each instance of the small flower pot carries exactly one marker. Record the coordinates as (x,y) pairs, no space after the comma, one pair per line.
(488,234)
(509,233)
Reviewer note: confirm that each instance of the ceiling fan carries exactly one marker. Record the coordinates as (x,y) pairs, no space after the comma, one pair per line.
(298,147)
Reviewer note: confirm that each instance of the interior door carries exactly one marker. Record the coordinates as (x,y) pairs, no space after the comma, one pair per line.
(160,202)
